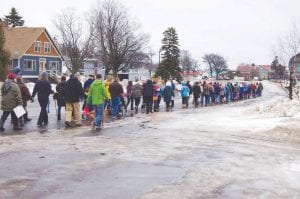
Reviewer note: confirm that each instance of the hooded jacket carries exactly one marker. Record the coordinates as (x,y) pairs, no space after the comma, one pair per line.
(148,89)
(97,93)
(137,91)
(24,93)
(74,91)
(11,95)
(43,89)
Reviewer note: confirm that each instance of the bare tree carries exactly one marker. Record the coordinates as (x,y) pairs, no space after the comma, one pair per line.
(216,63)
(186,60)
(117,43)
(75,45)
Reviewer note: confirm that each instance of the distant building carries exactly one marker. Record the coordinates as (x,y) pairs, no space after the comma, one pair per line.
(247,71)
(265,72)
(33,50)
(295,62)
(192,75)
(135,74)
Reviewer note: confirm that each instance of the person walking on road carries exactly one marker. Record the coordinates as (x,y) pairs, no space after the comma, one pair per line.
(97,95)
(26,96)
(116,90)
(61,98)
(86,87)
(168,94)
(43,89)
(196,94)
(137,94)
(148,91)
(11,98)
(185,95)
(129,95)
(73,94)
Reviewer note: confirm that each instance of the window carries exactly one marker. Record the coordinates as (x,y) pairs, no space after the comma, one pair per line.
(37,46)
(29,65)
(53,65)
(47,47)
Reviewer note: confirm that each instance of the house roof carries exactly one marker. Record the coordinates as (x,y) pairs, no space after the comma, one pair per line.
(19,39)
(246,68)
(265,67)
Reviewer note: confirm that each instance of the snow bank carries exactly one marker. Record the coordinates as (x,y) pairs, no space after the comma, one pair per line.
(281,108)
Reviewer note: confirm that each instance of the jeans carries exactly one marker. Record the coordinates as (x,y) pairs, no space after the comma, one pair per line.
(99,114)
(115,105)
(43,117)
(217,98)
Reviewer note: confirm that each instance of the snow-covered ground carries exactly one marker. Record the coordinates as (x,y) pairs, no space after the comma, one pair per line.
(248,149)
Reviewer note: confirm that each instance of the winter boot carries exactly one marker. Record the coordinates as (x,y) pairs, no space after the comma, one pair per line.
(25,118)
(17,128)
(58,116)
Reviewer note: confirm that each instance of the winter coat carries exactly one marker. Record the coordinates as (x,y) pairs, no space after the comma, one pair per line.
(185,91)
(86,86)
(97,93)
(260,87)
(190,88)
(11,95)
(129,90)
(148,89)
(24,92)
(74,91)
(196,91)
(137,91)
(107,84)
(156,90)
(43,89)
(205,89)
(217,89)
(116,89)
(168,93)
(61,92)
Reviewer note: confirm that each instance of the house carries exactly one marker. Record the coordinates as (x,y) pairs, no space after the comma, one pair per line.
(295,62)
(192,75)
(247,71)
(135,74)
(264,72)
(33,50)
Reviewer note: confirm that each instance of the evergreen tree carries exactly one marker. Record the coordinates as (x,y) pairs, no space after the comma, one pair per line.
(13,18)
(169,66)
(4,56)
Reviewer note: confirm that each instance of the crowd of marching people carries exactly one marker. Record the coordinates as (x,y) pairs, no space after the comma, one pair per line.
(101,98)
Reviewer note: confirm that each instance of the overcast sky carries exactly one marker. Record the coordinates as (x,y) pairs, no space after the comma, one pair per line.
(239,30)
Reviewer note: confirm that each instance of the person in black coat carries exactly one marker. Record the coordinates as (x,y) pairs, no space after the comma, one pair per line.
(61,98)
(196,93)
(73,94)
(168,94)
(43,89)
(148,91)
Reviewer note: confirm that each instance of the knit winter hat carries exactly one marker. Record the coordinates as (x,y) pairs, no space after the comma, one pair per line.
(44,74)
(11,76)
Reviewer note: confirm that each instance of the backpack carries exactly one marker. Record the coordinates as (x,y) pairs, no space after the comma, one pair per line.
(185,91)
(136,91)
